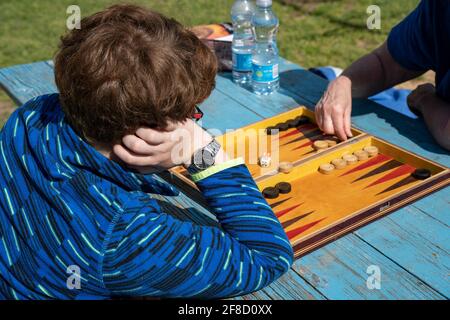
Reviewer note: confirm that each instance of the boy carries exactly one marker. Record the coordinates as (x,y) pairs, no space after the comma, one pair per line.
(69,205)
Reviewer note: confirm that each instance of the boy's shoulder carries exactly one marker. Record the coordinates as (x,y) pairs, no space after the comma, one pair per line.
(43,103)
(38,109)
(47,103)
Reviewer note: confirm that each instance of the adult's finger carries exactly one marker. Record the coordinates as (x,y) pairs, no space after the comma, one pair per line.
(318,114)
(338,124)
(348,122)
(327,123)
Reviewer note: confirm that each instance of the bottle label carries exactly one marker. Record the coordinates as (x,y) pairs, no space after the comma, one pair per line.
(242,61)
(265,73)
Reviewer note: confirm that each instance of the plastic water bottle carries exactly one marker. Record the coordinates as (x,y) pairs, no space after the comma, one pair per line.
(243,40)
(265,77)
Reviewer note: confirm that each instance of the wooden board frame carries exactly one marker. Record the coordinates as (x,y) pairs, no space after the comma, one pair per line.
(352,221)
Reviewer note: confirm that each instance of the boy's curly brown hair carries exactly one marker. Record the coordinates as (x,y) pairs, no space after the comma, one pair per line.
(129,67)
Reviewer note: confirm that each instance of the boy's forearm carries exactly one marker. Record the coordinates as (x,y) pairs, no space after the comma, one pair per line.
(235,199)
(251,251)
(245,215)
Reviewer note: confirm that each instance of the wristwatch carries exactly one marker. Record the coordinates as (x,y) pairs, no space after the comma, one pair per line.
(204,158)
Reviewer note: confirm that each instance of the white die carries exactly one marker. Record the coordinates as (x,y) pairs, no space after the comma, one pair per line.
(265,160)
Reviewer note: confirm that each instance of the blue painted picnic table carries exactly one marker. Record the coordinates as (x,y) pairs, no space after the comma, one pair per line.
(410,246)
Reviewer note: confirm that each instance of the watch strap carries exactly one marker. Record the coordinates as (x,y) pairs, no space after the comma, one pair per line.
(196,177)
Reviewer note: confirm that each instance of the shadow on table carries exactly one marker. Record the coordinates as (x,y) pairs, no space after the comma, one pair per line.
(413,129)
(303,86)
(310,87)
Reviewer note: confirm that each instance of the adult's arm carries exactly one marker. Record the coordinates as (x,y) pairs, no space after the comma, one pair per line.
(407,53)
(376,72)
(367,76)
(153,254)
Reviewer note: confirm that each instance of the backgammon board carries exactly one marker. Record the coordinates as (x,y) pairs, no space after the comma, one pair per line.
(320,207)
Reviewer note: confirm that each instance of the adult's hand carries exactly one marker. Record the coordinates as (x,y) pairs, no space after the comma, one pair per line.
(334,109)
(435,112)
(416,99)
(149,149)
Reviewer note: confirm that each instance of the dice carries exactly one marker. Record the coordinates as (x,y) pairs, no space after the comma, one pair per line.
(265,160)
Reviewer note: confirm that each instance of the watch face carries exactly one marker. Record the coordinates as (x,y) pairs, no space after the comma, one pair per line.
(208,158)
(203,159)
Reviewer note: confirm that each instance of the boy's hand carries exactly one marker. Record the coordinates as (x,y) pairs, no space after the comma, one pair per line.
(150,149)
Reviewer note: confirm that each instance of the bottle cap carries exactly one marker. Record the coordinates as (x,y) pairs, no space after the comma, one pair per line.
(264,3)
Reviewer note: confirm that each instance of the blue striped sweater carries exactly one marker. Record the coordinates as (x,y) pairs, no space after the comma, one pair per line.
(63,204)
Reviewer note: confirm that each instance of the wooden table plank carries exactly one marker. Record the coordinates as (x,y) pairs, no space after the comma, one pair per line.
(26,81)
(348,260)
(422,254)
(260,295)
(291,286)
(437,206)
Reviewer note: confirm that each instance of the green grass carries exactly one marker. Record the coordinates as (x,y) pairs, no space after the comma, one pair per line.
(312,32)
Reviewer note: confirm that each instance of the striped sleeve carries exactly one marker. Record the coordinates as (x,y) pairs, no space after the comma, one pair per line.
(158,255)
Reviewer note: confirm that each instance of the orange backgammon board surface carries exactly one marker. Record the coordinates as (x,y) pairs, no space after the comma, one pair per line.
(322,207)
(318,200)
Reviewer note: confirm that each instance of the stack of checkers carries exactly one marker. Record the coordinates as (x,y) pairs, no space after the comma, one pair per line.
(283,126)
(285,167)
(371,150)
(274,192)
(320,145)
(348,159)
